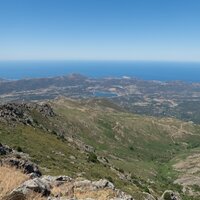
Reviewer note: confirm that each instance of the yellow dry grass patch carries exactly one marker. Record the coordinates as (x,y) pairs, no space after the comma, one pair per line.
(35,196)
(66,190)
(69,191)
(10,178)
(99,194)
(189,169)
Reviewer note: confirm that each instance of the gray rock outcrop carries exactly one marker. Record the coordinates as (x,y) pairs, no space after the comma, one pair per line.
(4,149)
(19,160)
(22,112)
(44,185)
(26,166)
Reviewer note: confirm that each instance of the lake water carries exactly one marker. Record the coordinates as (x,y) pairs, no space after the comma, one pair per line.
(104,94)
(163,71)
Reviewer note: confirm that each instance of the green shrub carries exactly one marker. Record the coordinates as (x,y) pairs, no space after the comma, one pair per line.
(19,149)
(121,170)
(167,196)
(146,189)
(92,157)
(131,148)
(109,178)
(196,187)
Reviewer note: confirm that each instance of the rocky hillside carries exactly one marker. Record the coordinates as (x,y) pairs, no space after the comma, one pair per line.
(31,184)
(93,142)
(22,112)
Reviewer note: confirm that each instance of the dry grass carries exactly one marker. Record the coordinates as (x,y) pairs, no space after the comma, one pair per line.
(189,169)
(66,190)
(20,196)
(10,178)
(98,194)
(69,191)
(35,196)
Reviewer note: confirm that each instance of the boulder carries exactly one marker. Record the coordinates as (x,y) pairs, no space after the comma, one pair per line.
(122,196)
(63,178)
(36,185)
(103,183)
(42,185)
(4,149)
(83,185)
(55,180)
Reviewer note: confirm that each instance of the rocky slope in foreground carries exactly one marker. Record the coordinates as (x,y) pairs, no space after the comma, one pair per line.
(21,179)
(36,186)
(91,141)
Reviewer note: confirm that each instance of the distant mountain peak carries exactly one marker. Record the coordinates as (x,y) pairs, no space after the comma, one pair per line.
(76,76)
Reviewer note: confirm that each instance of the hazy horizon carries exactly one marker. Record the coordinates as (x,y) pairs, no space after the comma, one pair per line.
(183,71)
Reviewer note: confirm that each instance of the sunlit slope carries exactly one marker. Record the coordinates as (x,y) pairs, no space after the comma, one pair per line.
(138,153)
(112,131)
(144,146)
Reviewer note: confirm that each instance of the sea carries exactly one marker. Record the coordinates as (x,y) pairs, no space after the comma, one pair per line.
(161,71)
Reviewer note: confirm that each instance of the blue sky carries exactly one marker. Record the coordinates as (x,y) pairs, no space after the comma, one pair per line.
(100,30)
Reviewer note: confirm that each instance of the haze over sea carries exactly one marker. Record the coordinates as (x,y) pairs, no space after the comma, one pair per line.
(163,71)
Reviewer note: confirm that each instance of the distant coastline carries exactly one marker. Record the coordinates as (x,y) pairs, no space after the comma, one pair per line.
(161,71)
